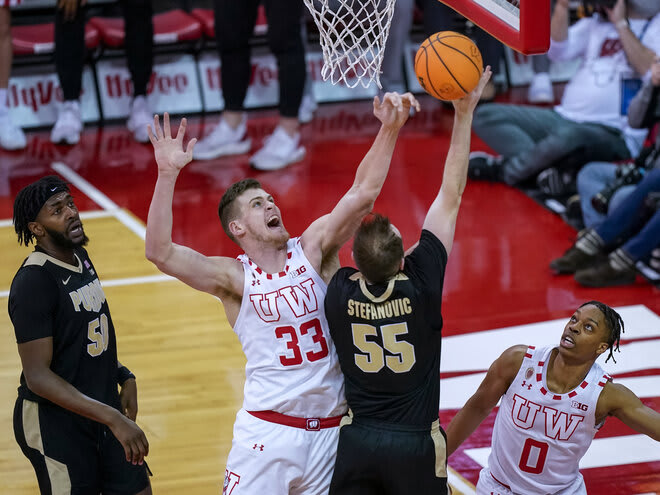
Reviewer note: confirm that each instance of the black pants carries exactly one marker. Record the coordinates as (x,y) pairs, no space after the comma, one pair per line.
(70,47)
(439,17)
(374,458)
(234,23)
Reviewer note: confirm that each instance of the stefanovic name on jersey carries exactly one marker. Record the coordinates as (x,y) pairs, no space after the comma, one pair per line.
(91,297)
(371,311)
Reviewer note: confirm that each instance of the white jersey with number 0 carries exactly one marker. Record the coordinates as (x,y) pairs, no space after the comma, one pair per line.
(292,365)
(539,437)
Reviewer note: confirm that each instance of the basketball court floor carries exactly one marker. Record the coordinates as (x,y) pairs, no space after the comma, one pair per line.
(188,362)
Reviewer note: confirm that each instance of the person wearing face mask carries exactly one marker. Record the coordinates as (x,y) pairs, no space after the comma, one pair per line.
(615,45)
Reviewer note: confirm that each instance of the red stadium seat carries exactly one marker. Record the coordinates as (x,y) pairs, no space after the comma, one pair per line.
(169,27)
(205,16)
(39,39)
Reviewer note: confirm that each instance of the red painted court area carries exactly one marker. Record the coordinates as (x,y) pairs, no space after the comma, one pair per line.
(498,272)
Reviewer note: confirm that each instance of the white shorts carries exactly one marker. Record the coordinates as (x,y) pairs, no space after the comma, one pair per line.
(487,485)
(273,459)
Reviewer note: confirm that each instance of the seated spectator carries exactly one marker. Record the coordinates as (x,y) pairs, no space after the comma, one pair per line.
(11,136)
(69,60)
(440,17)
(630,232)
(602,178)
(588,124)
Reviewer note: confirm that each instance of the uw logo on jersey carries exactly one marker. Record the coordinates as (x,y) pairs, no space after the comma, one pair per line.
(91,296)
(300,298)
(231,481)
(558,425)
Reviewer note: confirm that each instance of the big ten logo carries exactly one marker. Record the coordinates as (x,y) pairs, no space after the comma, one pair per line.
(34,94)
(119,85)
(261,73)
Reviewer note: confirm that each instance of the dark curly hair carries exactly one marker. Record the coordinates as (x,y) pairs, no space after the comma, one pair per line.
(614,325)
(29,202)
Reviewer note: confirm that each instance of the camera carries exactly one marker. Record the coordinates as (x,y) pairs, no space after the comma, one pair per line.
(626,174)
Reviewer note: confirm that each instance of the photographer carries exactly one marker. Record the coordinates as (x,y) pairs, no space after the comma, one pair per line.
(603,185)
(588,124)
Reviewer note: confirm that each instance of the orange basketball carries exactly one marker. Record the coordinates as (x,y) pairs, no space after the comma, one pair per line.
(448,65)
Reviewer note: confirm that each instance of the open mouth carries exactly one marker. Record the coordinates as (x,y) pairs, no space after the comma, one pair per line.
(567,341)
(273,222)
(76,228)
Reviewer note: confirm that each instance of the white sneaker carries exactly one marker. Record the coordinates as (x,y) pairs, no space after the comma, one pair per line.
(12,137)
(69,124)
(222,141)
(139,118)
(278,151)
(540,89)
(307,108)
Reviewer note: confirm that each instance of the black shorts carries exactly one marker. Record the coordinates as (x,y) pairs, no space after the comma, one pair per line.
(377,459)
(67,450)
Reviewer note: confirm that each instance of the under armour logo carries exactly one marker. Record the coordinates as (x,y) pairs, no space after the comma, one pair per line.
(256,282)
(258,447)
(524,384)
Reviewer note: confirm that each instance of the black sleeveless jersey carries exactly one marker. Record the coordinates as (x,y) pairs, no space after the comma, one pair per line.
(50,298)
(388,337)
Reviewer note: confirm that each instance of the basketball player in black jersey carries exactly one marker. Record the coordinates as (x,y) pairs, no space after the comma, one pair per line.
(70,421)
(386,323)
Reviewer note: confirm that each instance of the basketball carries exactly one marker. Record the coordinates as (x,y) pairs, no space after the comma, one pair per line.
(448,65)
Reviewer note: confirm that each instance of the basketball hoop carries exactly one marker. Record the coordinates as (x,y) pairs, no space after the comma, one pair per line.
(353,35)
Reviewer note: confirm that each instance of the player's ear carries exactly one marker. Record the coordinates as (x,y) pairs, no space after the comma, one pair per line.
(37,229)
(236,228)
(602,347)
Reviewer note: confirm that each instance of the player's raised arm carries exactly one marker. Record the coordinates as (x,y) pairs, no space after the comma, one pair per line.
(442,214)
(219,276)
(326,235)
(494,385)
(619,401)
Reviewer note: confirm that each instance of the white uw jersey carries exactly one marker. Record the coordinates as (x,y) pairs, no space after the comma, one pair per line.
(292,365)
(539,437)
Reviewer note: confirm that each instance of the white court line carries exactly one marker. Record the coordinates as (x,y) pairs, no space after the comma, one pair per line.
(148,279)
(85,215)
(100,199)
(457,481)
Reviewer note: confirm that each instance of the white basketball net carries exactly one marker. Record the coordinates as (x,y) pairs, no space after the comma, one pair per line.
(353,35)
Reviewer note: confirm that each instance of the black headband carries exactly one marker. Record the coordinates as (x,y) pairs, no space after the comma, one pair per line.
(44,189)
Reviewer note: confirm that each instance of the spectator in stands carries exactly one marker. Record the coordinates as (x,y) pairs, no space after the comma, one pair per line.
(234,24)
(69,60)
(630,232)
(439,17)
(587,125)
(595,177)
(11,136)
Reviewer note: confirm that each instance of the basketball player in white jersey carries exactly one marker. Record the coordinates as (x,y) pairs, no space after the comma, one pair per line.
(554,400)
(285,436)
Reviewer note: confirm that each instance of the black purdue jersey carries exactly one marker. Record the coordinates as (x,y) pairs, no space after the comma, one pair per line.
(50,298)
(388,337)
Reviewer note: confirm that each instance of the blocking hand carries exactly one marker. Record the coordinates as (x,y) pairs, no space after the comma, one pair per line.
(169,152)
(394,110)
(467,104)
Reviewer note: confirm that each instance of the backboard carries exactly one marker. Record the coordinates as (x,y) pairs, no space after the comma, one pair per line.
(524,25)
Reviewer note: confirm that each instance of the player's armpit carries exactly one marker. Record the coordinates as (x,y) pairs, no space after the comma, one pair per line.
(495,384)
(619,401)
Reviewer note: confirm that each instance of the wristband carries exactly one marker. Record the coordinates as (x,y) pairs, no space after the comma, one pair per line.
(124,374)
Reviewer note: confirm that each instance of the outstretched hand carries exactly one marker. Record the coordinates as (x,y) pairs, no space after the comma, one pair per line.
(394,110)
(467,104)
(169,152)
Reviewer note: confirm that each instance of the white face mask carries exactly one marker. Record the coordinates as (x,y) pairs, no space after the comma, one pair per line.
(644,8)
